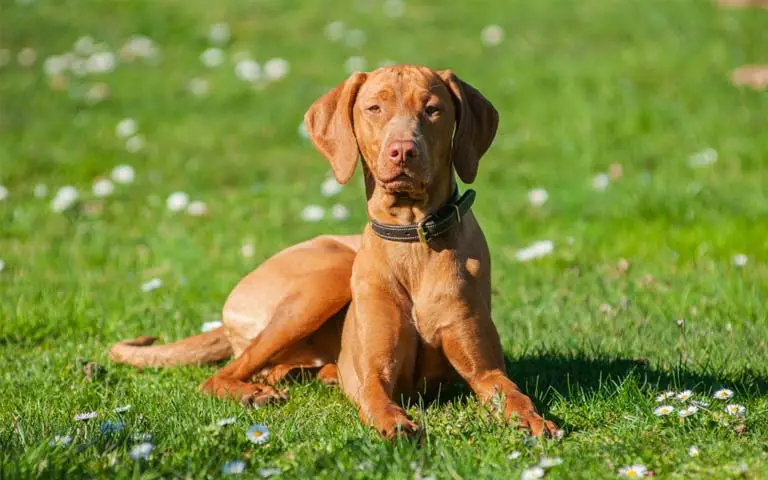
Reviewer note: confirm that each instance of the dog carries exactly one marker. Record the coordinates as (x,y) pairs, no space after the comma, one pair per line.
(394,312)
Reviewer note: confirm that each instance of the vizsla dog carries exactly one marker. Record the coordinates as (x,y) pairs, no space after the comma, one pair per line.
(397,310)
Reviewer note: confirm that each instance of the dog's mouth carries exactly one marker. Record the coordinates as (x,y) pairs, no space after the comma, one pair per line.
(398,183)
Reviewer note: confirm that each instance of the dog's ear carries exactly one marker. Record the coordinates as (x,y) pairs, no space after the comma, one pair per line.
(329,125)
(476,124)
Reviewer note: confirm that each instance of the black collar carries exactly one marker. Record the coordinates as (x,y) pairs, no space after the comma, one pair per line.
(433,225)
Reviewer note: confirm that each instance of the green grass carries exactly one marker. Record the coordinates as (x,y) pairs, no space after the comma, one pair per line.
(579,86)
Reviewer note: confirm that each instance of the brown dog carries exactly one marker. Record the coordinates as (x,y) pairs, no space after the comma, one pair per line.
(398,310)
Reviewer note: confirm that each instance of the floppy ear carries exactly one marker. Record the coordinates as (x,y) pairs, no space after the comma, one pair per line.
(329,125)
(476,124)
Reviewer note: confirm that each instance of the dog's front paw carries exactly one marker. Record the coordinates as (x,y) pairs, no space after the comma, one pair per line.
(262,395)
(394,423)
(537,426)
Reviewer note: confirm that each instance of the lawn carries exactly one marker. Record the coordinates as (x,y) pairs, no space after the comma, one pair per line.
(653,163)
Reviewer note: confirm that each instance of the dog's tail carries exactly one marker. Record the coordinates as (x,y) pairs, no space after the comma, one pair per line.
(203,348)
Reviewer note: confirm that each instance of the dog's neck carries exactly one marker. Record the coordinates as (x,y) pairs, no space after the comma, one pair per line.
(407,208)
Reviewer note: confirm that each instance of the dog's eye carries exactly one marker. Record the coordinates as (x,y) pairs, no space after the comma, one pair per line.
(431,110)
(374,109)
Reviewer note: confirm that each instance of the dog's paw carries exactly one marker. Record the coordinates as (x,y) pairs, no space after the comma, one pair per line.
(394,423)
(537,426)
(262,395)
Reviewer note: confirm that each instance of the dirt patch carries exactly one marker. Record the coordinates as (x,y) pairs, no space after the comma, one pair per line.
(755,76)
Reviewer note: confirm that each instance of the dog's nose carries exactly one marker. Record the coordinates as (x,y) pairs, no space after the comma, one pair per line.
(402,150)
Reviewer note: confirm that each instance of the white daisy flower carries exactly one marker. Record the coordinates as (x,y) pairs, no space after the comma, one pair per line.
(64,199)
(3,193)
(212,57)
(703,158)
(40,190)
(303,133)
(177,201)
(330,187)
(61,441)
(339,212)
(198,86)
(600,182)
(687,411)
(123,174)
(538,197)
(276,68)
(126,127)
(355,38)
(633,471)
(197,208)
(492,35)
(55,65)
(684,396)
(100,62)
(514,455)
(2,265)
(248,70)
(103,187)
(693,451)
(739,260)
(536,250)
(549,462)
(151,285)
(84,45)
(141,451)
(234,467)
(663,410)
(219,33)
(723,394)
(354,64)
(213,325)
(532,473)
(267,472)
(122,409)
(258,434)
(312,213)
(334,31)
(247,250)
(135,144)
(80,417)
(26,57)
(394,8)
(735,409)
(139,46)
(699,403)
(225,421)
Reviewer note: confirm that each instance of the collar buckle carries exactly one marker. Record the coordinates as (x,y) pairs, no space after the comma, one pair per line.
(421,232)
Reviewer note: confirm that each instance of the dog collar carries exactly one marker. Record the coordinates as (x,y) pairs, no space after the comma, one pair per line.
(433,225)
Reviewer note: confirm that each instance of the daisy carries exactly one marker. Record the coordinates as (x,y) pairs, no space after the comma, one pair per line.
(687,411)
(225,421)
(339,212)
(212,57)
(538,197)
(267,472)
(84,45)
(247,250)
(134,144)
(735,409)
(663,410)
(248,70)
(141,451)
(532,473)
(80,417)
(699,403)
(537,250)
(739,260)
(492,35)
(514,455)
(258,434)
(723,394)
(197,208)
(209,326)
(177,201)
(126,127)
(103,187)
(354,64)
(219,33)
(151,285)
(684,396)
(330,187)
(312,213)
(303,130)
(633,471)
(276,68)
(3,192)
(235,467)
(693,451)
(64,199)
(100,62)
(600,182)
(61,441)
(123,174)
(55,65)
(703,158)
(549,462)
(122,409)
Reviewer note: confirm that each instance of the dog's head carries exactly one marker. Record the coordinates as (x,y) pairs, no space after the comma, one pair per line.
(411,125)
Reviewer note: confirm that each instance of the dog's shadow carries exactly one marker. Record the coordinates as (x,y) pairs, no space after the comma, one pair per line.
(547,376)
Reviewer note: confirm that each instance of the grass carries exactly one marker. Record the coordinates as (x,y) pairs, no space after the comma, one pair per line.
(579,85)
